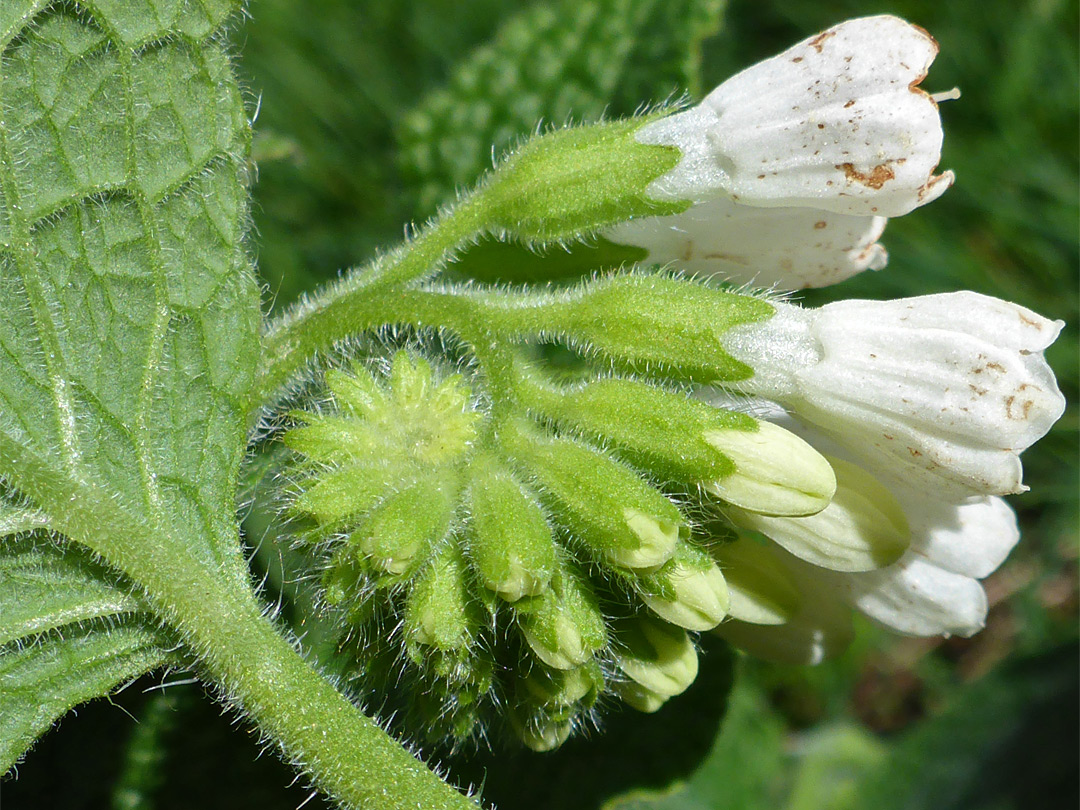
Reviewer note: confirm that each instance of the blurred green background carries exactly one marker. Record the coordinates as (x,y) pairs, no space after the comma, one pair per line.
(371,113)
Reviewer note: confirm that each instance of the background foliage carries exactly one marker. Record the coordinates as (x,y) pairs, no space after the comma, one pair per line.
(371,113)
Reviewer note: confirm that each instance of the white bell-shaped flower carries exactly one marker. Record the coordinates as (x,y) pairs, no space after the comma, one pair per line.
(837,122)
(933,588)
(944,391)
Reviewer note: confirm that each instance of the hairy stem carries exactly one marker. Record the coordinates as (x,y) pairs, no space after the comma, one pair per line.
(344,753)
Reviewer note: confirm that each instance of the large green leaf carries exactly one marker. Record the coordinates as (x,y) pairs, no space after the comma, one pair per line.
(131,314)
(129,332)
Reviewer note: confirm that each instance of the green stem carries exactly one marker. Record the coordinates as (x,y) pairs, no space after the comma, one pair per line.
(345,753)
(317,324)
(348,309)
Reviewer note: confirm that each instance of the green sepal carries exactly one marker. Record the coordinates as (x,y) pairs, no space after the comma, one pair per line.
(658,325)
(348,491)
(602,502)
(568,183)
(655,429)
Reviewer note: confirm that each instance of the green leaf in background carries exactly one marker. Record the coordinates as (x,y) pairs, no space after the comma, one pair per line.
(743,771)
(129,331)
(551,64)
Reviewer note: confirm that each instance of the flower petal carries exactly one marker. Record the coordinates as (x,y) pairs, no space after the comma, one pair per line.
(837,122)
(916,598)
(971,539)
(790,248)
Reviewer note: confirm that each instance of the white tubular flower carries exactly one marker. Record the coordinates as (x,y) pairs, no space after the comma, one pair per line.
(933,589)
(818,628)
(794,163)
(837,122)
(944,391)
(791,248)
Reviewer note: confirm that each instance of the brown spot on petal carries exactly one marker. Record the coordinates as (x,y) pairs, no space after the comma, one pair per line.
(728,257)
(875,178)
(820,224)
(819,40)
(849,104)
(797,59)
(914,453)
(1026,320)
(1018,412)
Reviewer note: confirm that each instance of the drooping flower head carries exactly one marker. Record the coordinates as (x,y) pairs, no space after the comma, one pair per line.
(794,163)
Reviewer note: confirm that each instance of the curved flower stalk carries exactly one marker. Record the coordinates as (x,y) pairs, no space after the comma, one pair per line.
(794,164)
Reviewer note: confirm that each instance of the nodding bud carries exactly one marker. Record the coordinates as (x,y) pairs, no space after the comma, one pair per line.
(776,472)
(760,589)
(606,505)
(554,689)
(438,610)
(564,625)
(689,591)
(397,534)
(656,656)
(862,529)
(509,539)
(541,733)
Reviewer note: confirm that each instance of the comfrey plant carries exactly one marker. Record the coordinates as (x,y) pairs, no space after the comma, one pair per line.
(509,506)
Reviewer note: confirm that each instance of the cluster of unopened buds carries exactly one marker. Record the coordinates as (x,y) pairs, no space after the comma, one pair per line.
(508,545)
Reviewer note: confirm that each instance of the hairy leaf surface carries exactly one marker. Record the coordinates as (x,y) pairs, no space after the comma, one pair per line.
(129,330)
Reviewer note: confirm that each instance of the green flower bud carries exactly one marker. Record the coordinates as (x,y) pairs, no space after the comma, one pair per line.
(638,697)
(571,182)
(776,472)
(604,503)
(760,588)
(654,324)
(689,591)
(657,656)
(396,535)
(541,733)
(564,625)
(348,491)
(510,541)
(560,688)
(438,611)
(862,529)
